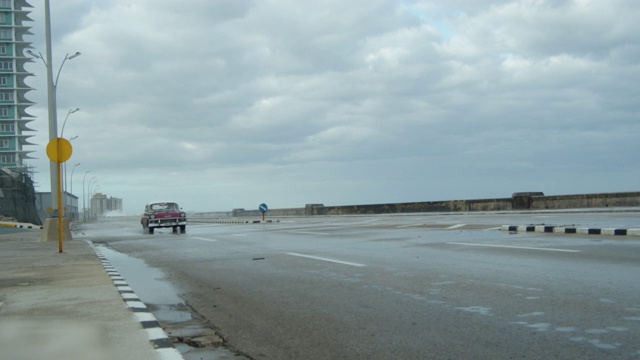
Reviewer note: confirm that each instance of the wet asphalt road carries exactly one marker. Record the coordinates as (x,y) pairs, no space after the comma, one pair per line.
(403,287)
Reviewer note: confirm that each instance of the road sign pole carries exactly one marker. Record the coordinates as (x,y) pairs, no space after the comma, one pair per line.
(60,209)
(58,150)
(263,209)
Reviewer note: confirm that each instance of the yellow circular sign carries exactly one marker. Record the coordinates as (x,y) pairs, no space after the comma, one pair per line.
(59,150)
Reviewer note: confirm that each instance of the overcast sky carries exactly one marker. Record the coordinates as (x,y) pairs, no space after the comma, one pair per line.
(223,104)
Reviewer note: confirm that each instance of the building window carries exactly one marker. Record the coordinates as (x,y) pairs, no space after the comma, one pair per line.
(4,111)
(4,80)
(4,144)
(3,17)
(7,127)
(7,159)
(5,3)
(5,33)
(3,49)
(6,65)
(6,96)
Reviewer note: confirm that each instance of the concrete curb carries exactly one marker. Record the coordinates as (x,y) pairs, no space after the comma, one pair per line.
(570,230)
(157,337)
(20,225)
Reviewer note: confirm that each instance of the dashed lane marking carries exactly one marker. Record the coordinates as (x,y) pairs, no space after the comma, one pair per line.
(204,239)
(308,232)
(515,247)
(326,259)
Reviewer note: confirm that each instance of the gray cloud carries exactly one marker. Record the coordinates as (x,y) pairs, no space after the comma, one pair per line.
(225,104)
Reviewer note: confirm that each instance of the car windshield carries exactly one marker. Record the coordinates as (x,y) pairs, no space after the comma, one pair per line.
(163,206)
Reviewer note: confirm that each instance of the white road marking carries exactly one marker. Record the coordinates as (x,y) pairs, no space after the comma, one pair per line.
(307,232)
(515,247)
(204,239)
(325,259)
(456,226)
(409,225)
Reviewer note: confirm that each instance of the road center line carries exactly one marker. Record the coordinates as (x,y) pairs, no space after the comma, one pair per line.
(325,259)
(515,247)
(204,239)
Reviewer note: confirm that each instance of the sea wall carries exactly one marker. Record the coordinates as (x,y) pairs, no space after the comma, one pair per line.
(600,200)
(517,201)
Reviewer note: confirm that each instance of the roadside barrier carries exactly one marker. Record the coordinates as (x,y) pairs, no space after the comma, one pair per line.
(570,230)
(20,225)
(218,221)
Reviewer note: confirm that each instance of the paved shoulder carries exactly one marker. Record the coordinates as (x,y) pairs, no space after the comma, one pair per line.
(64,302)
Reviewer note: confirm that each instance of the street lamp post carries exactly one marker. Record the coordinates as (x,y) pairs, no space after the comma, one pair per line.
(71,111)
(84,207)
(64,165)
(97,207)
(91,182)
(64,181)
(70,182)
(89,197)
(51,98)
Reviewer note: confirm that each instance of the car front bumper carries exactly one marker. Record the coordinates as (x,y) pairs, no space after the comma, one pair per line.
(157,223)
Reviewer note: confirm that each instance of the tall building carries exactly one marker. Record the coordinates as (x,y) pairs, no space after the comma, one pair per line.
(17,193)
(101,205)
(13,103)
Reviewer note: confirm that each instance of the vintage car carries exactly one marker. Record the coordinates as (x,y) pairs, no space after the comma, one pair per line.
(163,214)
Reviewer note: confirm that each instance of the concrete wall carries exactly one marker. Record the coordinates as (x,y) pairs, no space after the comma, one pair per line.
(518,201)
(600,200)
(272,212)
(416,207)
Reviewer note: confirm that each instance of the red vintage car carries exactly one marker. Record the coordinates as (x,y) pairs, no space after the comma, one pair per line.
(163,214)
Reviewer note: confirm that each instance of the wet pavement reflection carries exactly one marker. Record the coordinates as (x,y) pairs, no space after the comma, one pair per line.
(189,333)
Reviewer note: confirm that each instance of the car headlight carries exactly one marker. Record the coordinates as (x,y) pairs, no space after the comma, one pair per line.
(152,216)
(183,215)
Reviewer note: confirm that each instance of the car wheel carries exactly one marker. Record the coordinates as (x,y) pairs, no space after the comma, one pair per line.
(183,229)
(150,230)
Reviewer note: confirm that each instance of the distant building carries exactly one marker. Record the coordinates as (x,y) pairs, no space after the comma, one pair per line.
(17,194)
(69,203)
(101,205)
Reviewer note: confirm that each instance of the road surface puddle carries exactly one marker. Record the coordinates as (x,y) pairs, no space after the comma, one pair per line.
(190,334)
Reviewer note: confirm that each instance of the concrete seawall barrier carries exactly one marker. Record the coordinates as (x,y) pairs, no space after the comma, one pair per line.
(517,201)
(600,200)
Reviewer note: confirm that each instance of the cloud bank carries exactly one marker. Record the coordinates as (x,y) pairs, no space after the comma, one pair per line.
(229,104)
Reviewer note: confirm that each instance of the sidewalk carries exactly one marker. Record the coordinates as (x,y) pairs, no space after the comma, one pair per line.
(62,305)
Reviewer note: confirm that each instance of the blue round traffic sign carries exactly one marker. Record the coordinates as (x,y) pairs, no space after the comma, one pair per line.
(263,208)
